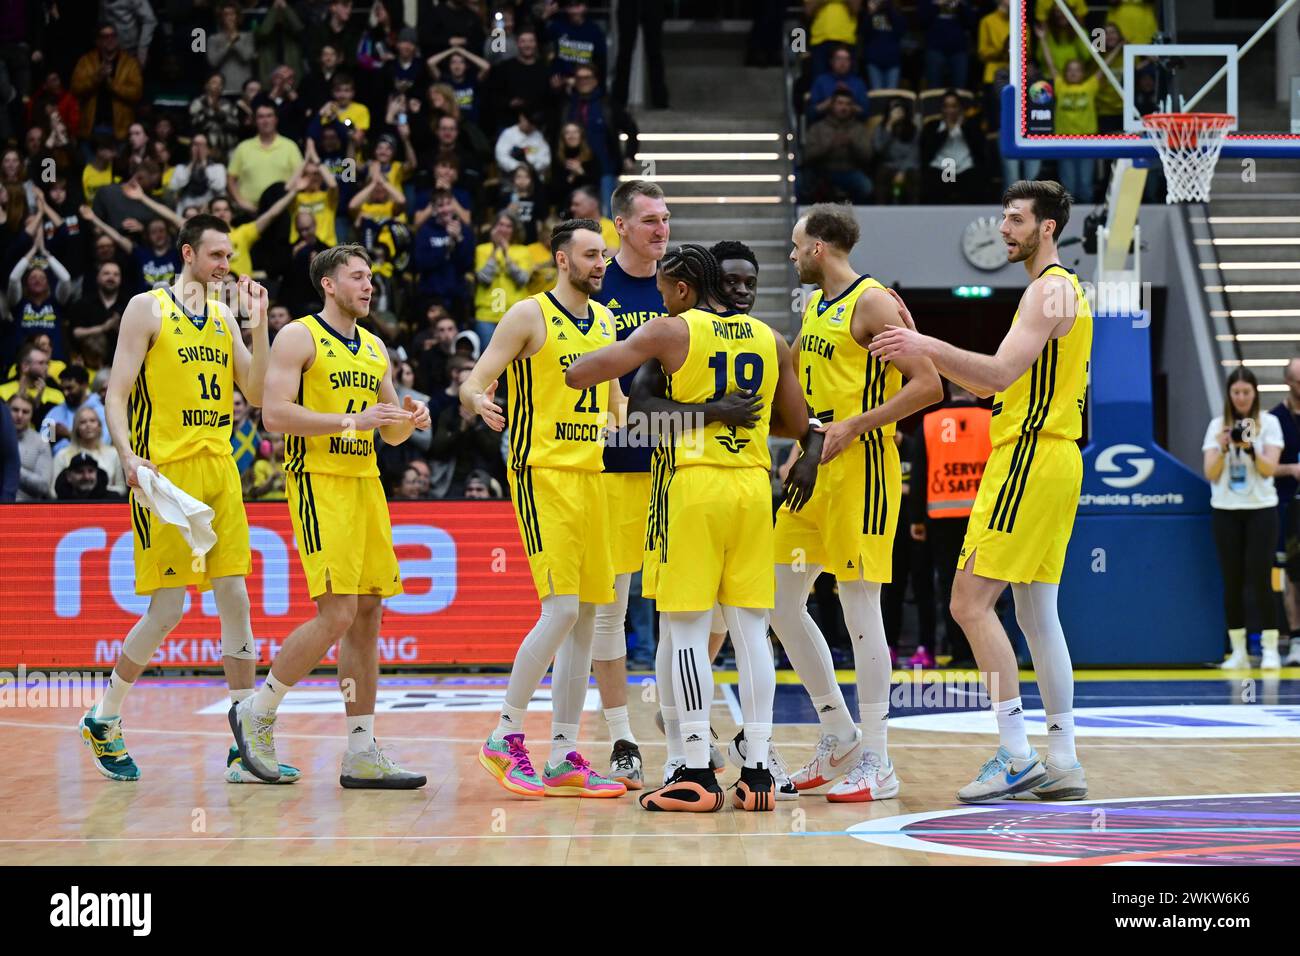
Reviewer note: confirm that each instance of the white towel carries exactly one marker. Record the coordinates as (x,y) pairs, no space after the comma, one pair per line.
(174,506)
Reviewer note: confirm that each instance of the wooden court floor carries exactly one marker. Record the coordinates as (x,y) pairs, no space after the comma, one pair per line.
(1153,797)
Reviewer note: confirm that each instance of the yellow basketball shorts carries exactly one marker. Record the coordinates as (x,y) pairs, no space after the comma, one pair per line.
(344,534)
(627,497)
(717,540)
(848,526)
(163,559)
(1024,511)
(654,537)
(563,522)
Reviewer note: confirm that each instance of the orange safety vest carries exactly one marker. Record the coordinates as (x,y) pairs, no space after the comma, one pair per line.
(957,447)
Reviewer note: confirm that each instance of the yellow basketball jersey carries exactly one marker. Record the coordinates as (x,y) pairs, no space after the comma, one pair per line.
(552,425)
(840,378)
(344,379)
(728,351)
(183,396)
(1048,398)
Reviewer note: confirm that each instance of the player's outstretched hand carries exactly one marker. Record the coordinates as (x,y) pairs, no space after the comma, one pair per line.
(131,466)
(487,408)
(738,409)
(379,415)
(801,481)
(419,412)
(897,342)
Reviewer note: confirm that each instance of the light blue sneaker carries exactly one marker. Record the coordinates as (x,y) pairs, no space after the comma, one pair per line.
(1061,783)
(1003,776)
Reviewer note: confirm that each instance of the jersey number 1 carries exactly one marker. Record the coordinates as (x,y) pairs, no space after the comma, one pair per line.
(748,372)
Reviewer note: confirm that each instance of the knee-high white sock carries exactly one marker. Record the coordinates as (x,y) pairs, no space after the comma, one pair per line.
(1037,616)
(664,689)
(693,682)
(862,616)
(559,614)
(748,627)
(1011,726)
(807,649)
(570,678)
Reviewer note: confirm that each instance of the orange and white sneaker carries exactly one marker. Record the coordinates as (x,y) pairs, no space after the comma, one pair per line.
(687,790)
(755,790)
(869,779)
(507,760)
(832,761)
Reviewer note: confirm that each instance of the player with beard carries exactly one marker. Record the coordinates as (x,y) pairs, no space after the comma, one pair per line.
(329,388)
(557,437)
(1024,510)
(169,409)
(848,526)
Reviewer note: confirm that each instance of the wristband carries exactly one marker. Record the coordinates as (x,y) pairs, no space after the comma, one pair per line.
(815,423)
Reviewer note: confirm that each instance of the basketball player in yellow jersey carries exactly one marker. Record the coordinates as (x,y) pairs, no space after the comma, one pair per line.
(714,513)
(1024,511)
(848,526)
(169,405)
(557,439)
(328,389)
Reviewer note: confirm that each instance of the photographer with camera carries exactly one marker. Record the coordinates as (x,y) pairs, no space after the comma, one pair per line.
(1242,448)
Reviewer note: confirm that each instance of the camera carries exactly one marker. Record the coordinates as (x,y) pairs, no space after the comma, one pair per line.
(1239,428)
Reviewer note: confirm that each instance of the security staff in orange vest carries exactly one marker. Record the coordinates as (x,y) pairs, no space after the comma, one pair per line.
(946,470)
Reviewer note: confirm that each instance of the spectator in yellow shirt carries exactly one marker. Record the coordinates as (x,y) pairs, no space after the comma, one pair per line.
(344,108)
(1136,20)
(994,40)
(99,171)
(831,23)
(318,196)
(261,160)
(244,236)
(540,259)
(1044,7)
(502,266)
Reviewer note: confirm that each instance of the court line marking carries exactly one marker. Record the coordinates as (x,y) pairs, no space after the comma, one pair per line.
(623,836)
(478,741)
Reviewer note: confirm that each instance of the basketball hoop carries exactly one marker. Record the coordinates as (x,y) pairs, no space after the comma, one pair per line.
(1189,145)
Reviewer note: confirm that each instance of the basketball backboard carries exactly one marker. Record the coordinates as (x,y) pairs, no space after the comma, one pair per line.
(1160,76)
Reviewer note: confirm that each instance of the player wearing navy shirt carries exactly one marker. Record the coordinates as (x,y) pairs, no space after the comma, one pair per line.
(629,292)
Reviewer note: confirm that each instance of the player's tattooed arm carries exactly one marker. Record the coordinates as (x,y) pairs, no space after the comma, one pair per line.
(141,322)
(872,317)
(1047,310)
(520,333)
(292,353)
(649,399)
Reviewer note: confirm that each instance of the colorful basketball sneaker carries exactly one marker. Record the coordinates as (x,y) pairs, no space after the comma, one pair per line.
(1067,784)
(831,761)
(755,790)
(236,772)
(785,789)
(625,765)
(574,777)
(870,779)
(255,737)
(1003,776)
(507,760)
(374,770)
(104,738)
(687,790)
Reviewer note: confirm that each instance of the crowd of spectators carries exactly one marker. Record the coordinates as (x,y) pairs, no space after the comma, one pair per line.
(446,137)
(900,102)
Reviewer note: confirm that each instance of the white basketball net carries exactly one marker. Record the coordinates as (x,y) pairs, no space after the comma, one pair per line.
(1189,146)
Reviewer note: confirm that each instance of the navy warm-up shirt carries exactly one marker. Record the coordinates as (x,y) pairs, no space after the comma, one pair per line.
(633,300)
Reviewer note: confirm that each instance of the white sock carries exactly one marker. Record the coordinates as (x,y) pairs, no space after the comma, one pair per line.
(807,648)
(361,733)
(241,694)
(269,696)
(758,743)
(1011,727)
(875,729)
(673,731)
(510,722)
(1268,640)
(695,744)
(834,715)
(110,705)
(564,737)
(1237,637)
(1060,740)
(620,728)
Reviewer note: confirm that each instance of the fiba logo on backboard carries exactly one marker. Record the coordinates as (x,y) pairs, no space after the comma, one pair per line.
(1108,466)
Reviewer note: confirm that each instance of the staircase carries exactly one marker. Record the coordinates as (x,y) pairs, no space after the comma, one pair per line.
(1249,252)
(721,155)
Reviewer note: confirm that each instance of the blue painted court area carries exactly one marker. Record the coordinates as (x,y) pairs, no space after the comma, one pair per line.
(1281,697)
